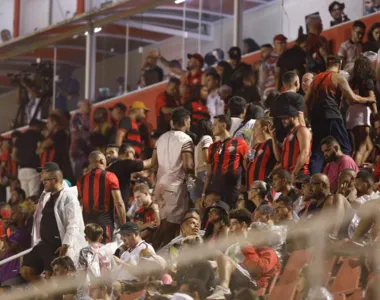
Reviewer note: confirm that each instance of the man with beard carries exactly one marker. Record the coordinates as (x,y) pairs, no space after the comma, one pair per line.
(294,154)
(121,161)
(336,161)
(128,131)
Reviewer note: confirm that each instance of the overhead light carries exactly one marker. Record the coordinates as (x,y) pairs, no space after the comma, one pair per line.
(96,30)
(179,1)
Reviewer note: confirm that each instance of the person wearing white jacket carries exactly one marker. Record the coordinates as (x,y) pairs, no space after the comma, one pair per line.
(58,227)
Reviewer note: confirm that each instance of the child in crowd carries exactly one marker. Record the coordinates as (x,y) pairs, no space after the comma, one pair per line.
(95,260)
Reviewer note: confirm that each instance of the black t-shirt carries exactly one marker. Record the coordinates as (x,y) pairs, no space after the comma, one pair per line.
(237,76)
(123,170)
(26,146)
(48,228)
(293,59)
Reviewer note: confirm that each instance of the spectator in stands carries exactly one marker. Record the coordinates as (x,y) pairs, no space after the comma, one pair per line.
(364,184)
(369,7)
(294,155)
(128,131)
(8,162)
(203,142)
(198,270)
(60,228)
(225,162)
(173,159)
(151,72)
(148,214)
(307,80)
(166,102)
(318,47)
(346,184)
(225,93)
(267,70)
(282,183)
(293,59)
(236,107)
(358,115)
(68,89)
(100,196)
(80,130)
(217,222)
(373,41)
(258,193)
(335,160)
(62,267)
(288,99)
(225,71)
(245,129)
(279,44)
(215,104)
(56,146)
(239,68)
(130,234)
(249,91)
(249,46)
(260,264)
(323,110)
(283,212)
(103,132)
(121,161)
(302,187)
(28,160)
(197,106)
(18,196)
(260,160)
(195,288)
(18,241)
(350,50)
(219,54)
(336,10)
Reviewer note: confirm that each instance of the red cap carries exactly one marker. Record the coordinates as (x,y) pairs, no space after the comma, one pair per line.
(197,56)
(280,37)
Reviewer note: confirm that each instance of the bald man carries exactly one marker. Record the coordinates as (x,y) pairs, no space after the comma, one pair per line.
(325,201)
(99,193)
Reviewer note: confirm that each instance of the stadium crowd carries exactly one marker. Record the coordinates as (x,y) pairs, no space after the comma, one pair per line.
(239,150)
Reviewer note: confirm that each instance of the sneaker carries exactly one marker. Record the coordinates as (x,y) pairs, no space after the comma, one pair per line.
(219,293)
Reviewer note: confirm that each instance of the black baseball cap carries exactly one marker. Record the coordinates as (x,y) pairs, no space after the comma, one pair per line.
(49,166)
(119,105)
(129,228)
(288,111)
(222,205)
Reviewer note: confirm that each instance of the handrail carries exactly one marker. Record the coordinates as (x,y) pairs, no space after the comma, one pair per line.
(13,257)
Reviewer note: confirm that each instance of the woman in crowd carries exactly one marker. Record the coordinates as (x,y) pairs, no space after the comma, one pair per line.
(218,221)
(358,115)
(260,160)
(203,142)
(245,130)
(373,42)
(225,71)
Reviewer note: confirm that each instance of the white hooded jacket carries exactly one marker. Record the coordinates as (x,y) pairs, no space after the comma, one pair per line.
(69,218)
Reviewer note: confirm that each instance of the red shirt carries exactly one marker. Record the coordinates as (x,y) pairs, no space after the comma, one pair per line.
(261,263)
(132,134)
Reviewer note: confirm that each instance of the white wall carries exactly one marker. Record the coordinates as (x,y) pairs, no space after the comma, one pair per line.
(6,15)
(33,15)
(63,9)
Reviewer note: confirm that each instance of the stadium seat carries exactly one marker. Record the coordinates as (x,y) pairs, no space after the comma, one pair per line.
(297,260)
(132,296)
(347,279)
(283,292)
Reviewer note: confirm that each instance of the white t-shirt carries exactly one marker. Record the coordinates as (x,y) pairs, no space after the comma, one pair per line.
(235,123)
(215,105)
(132,257)
(170,147)
(200,163)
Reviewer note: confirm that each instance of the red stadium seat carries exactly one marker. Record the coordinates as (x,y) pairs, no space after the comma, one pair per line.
(347,279)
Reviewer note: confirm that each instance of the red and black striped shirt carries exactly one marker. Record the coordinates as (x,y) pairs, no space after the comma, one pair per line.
(198,111)
(262,163)
(95,191)
(226,159)
(290,152)
(132,134)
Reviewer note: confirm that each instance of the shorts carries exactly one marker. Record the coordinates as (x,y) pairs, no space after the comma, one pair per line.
(172,201)
(358,115)
(241,278)
(41,257)
(197,190)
